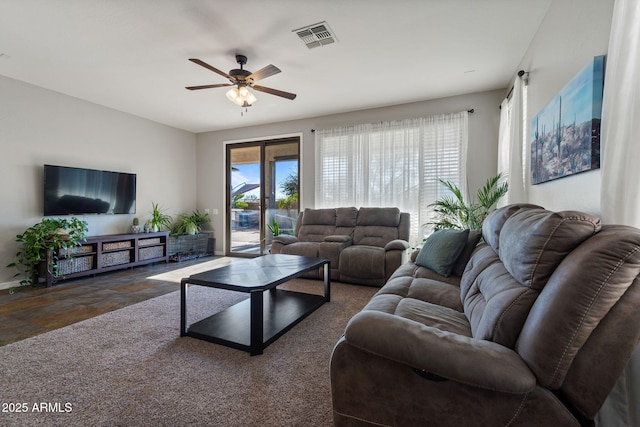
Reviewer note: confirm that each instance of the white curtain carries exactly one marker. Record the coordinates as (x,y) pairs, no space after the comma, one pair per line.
(511,143)
(394,163)
(620,195)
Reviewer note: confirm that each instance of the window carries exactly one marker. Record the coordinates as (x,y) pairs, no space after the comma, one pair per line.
(394,163)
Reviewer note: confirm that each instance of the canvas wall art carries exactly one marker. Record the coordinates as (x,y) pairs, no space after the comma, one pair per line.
(565,135)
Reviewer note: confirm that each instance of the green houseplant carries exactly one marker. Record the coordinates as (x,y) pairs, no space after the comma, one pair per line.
(41,244)
(159,219)
(189,223)
(274,227)
(453,212)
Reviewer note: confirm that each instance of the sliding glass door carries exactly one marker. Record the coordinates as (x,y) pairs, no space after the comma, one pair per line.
(262,195)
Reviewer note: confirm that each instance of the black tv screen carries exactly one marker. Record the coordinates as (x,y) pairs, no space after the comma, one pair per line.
(78,191)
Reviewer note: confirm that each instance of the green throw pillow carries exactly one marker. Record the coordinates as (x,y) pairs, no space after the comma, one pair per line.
(441,250)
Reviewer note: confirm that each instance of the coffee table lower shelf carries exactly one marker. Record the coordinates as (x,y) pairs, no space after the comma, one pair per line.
(282,311)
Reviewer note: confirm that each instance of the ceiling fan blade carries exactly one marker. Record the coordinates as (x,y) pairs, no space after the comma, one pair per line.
(208,86)
(209,67)
(276,92)
(263,73)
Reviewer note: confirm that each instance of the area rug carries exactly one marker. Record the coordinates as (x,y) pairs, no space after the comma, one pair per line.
(130,368)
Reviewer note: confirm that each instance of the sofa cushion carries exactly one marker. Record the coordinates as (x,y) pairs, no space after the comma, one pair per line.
(301,248)
(373,235)
(384,217)
(376,226)
(586,289)
(533,242)
(441,250)
(319,217)
(315,233)
(362,262)
(494,302)
(492,225)
(433,315)
(346,217)
(498,291)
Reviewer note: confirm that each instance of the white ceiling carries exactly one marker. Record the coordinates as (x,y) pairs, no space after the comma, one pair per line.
(132,55)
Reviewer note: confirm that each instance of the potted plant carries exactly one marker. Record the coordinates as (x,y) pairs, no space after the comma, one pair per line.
(189,223)
(183,226)
(274,228)
(159,219)
(199,219)
(453,212)
(43,242)
(135,226)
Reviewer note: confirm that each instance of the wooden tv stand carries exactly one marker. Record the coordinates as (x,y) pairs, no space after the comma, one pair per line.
(111,252)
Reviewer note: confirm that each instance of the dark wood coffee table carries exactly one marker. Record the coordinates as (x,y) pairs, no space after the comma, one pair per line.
(253,324)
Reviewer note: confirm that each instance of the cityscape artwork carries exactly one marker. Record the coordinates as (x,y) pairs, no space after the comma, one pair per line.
(565,135)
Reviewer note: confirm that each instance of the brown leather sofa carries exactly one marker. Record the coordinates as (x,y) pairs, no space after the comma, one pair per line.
(535,332)
(364,245)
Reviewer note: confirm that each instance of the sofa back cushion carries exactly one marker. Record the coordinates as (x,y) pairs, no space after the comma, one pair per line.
(346,220)
(317,224)
(506,275)
(580,294)
(376,226)
(533,242)
(319,217)
(492,225)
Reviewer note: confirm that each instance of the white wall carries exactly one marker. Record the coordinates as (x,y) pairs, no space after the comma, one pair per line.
(572,33)
(38,126)
(483,136)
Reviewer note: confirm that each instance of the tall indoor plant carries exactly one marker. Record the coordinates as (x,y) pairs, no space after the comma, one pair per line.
(453,211)
(41,245)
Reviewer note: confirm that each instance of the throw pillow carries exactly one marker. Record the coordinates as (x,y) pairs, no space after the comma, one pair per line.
(465,255)
(441,250)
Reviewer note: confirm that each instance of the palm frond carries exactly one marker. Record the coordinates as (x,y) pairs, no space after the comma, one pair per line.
(451,211)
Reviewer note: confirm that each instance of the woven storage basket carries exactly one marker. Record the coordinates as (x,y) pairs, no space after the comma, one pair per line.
(147,242)
(151,253)
(75,265)
(116,245)
(115,258)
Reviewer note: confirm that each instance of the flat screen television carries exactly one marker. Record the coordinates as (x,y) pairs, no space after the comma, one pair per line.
(76,191)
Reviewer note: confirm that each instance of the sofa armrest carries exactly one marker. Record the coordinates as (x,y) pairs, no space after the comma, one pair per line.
(399,245)
(479,363)
(280,242)
(338,238)
(285,239)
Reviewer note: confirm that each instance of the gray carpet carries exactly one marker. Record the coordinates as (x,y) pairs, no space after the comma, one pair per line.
(130,368)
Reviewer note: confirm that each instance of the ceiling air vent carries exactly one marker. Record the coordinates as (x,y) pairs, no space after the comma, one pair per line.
(316,35)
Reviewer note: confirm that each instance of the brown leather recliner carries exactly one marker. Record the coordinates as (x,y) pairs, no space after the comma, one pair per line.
(545,320)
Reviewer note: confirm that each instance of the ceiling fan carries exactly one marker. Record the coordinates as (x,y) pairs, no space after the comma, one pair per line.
(243,80)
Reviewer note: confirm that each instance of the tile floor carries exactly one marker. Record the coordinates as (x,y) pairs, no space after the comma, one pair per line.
(32,311)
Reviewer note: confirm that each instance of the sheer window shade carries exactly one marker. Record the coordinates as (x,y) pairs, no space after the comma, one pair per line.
(513,144)
(394,163)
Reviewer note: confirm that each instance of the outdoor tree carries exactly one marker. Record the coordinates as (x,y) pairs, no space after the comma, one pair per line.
(289,187)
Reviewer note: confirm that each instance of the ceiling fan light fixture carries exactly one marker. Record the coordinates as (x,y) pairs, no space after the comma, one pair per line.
(233,94)
(241,96)
(251,98)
